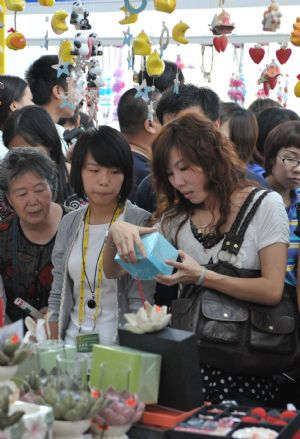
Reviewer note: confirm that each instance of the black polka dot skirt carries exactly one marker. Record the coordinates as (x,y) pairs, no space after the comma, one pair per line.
(219,385)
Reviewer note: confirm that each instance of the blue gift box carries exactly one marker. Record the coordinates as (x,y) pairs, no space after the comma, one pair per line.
(158,249)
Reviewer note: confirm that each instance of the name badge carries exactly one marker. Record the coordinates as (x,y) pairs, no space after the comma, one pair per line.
(85,342)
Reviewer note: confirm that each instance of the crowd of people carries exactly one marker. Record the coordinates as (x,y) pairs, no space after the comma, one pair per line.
(188,172)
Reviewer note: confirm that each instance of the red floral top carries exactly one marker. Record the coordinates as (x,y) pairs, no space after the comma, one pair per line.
(34,266)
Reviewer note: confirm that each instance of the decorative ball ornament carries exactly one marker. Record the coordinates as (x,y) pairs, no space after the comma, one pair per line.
(15,40)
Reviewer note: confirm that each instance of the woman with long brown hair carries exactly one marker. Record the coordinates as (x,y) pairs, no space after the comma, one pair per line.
(202,186)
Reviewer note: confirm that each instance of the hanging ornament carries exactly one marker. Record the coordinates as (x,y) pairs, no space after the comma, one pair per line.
(151,111)
(83,46)
(15,5)
(127,37)
(129,18)
(272,17)
(220,43)
(118,84)
(47,2)
(283,91)
(15,40)
(178,32)
(165,5)
(221,24)
(155,66)
(142,44)
(206,71)
(58,22)
(137,10)
(269,77)
(65,53)
(283,54)
(79,16)
(297,87)
(295,35)
(164,39)
(257,53)
(237,88)
(94,74)
(143,90)
(95,42)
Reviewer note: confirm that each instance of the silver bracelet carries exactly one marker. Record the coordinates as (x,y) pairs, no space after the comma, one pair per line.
(201,278)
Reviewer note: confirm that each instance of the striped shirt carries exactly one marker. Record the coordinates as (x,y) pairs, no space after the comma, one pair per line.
(291,269)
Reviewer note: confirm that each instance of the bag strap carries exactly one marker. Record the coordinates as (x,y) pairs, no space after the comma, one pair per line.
(239,218)
(234,239)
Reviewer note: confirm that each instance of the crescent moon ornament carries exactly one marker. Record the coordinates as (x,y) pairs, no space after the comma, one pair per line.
(178,32)
(133,10)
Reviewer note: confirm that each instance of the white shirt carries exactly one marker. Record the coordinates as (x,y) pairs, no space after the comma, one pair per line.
(3,149)
(106,323)
(270,225)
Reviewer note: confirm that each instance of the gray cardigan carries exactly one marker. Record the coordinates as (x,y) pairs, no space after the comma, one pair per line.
(61,299)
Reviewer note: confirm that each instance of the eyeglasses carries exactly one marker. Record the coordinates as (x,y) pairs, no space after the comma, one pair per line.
(289,163)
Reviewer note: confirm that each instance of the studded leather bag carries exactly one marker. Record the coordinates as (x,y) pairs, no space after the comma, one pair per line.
(234,335)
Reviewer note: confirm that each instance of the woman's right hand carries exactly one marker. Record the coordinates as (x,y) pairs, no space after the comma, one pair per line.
(126,236)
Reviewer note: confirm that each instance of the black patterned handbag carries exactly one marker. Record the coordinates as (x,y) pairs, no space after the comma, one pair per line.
(234,335)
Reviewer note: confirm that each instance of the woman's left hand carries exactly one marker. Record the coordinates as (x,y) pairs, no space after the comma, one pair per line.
(188,271)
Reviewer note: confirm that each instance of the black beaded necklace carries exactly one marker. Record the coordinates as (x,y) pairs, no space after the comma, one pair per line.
(208,240)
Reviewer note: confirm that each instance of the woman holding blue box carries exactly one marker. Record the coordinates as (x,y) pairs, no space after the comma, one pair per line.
(202,187)
(85,306)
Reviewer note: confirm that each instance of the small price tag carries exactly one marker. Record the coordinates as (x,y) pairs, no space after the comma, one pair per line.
(85,342)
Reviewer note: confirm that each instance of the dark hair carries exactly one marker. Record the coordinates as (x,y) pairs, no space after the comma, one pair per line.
(85,121)
(22,160)
(269,119)
(132,111)
(35,125)
(243,128)
(164,81)
(201,144)
(13,90)
(260,105)
(189,96)
(110,149)
(42,77)
(282,136)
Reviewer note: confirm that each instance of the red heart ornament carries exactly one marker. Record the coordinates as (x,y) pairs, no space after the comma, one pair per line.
(220,43)
(216,43)
(256,54)
(283,54)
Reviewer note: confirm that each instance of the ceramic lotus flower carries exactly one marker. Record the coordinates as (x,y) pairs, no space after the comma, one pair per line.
(148,319)
(118,408)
